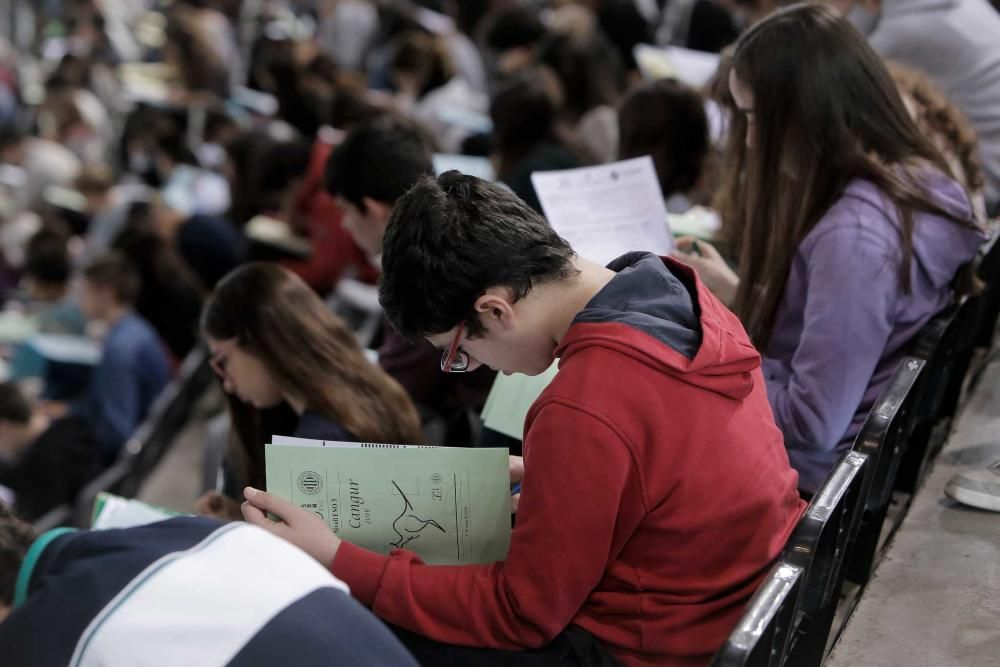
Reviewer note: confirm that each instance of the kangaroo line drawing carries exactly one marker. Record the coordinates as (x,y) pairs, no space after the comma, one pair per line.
(415,532)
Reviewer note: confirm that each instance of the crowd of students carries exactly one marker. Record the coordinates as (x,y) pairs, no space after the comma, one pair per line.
(849,150)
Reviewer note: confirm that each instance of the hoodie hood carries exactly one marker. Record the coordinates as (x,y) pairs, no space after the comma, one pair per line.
(937,248)
(940,246)
(656,310)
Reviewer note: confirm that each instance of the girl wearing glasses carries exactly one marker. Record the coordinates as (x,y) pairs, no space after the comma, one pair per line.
(273,341)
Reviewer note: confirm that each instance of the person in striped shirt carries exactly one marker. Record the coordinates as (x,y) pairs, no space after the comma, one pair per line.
(185,591)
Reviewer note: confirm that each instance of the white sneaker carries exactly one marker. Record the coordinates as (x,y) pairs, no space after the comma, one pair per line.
(977,488)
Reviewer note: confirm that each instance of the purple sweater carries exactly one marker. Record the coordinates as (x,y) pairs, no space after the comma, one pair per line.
(845,321)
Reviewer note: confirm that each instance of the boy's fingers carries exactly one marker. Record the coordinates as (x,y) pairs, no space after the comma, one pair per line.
(269,502)
(516,468)
(255,516)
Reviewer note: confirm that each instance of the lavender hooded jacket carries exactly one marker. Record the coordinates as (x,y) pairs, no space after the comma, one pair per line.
(845,321)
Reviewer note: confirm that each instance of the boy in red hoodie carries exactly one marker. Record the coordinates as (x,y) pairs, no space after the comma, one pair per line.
(656,491)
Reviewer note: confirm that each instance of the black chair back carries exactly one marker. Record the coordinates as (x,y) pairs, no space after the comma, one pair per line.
(989,273)
(154,436)
(761,637)
(884,437)
(167,416)
(820,545)
(946,343)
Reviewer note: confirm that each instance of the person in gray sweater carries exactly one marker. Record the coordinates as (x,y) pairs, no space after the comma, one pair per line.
(957,44)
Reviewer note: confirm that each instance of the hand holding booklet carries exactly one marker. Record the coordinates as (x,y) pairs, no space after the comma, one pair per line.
(448,505)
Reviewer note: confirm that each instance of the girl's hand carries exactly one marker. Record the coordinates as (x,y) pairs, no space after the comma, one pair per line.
(712,269)
(218,506)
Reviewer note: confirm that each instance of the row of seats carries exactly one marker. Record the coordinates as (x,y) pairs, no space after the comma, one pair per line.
(147,446)
(841,537)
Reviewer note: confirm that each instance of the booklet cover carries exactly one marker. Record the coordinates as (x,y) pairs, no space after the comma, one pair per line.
(511,398)
(448,505)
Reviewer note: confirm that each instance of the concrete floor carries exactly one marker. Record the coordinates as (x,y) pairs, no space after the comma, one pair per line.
(178,480)
(935,599)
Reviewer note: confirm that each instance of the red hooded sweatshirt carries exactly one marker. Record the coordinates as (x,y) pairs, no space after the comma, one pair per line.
(656,492)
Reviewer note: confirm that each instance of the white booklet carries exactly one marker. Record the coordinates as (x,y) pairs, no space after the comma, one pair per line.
(608,210)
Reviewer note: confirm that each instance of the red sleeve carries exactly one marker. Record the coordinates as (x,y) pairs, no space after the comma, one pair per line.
(576,468)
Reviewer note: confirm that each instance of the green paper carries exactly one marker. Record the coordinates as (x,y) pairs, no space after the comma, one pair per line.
(111,511)
(510,399)
(448,505)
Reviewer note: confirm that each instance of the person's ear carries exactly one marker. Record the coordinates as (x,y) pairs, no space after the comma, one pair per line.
(495,308)
(377,211)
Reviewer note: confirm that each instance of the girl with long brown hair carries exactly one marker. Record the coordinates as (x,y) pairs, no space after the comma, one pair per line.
(849,230)
(273,341)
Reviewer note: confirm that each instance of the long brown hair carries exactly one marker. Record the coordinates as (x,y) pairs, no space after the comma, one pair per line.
(310,354)
(826,111)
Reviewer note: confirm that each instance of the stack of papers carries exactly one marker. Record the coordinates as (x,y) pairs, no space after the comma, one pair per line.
(448,505)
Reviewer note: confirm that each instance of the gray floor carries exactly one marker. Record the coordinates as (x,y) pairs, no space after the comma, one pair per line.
(935,599)
(178,480)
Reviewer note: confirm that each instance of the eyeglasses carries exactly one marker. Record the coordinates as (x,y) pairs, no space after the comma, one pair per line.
(218,359)
(455,360)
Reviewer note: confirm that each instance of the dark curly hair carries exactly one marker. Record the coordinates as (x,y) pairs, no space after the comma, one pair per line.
(452,237)
(16,537)
(942,122)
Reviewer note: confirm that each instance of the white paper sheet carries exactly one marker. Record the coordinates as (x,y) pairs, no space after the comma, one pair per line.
(607,211)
